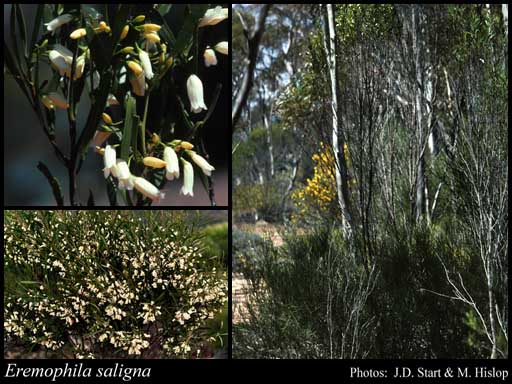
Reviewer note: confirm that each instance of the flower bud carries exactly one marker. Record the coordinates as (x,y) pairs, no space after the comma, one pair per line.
(153,162)
(148,28)
(78,33)
(186,145)
(152,36)
(124,32)
(139,19)
(195,94)
(209,57)
(106,118)
(126,50)
(136,68)
(172,166)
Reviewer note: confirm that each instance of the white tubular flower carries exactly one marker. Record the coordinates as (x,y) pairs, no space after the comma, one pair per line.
(222,47)
(188,179)
(122,72)
(201,163)
(59,21)
(58,100)
(61,59)
(126,180)
(109,161)
(79,68)
(172,166)
(95,79)
(147,189)
(195,94)
(65,52)
(146,64)
(111,100)
(214,16)
(209,57)
(99,138)
(138,84)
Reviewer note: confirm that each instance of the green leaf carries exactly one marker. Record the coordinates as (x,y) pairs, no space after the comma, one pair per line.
(90,200)
(185,37)
(37,25)
(98,104)
(54,183)
(14,40)
(100,45)
(111,192)
(13,69)
(163,9)
(23,29)
(129,126)
(91,12)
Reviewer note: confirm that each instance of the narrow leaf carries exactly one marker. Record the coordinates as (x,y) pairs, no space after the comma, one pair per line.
(111,192)
(129,126)
(98,104)
(164,9)
(54,183)
(37,25)
(23,29)
(90,200)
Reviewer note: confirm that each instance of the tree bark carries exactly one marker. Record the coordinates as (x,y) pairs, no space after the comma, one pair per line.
(253,40)
(338,138)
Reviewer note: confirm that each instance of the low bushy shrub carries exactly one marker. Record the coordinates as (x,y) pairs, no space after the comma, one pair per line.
(108,284)
(216,242)
(312,296)
(248,253)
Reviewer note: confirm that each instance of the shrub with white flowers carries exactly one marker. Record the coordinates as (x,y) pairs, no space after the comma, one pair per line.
(108,284)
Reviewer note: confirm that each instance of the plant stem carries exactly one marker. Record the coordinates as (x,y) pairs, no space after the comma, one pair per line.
(143,125)
(211,190)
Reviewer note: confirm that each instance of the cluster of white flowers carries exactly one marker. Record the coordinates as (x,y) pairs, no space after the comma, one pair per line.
(101,285)
(143,57)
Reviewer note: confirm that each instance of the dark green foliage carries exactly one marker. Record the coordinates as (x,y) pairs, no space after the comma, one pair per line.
(215,242)
(249,251)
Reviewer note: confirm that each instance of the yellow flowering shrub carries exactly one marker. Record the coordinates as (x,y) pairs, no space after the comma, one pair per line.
(320,190)
(319,193)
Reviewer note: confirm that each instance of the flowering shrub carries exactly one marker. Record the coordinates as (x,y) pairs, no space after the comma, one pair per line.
(108,283)
(143,81)
(319,193)
(320,190)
